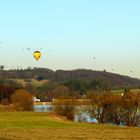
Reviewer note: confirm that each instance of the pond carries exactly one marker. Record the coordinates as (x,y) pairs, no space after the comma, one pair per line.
(80,115)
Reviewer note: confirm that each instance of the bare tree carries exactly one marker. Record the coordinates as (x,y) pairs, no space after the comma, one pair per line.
(131,109)
(95,106)
(113,108)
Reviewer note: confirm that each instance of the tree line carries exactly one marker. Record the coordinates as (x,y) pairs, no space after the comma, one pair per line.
(116,109)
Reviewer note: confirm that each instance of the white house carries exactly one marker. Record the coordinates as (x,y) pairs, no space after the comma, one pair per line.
(35,99)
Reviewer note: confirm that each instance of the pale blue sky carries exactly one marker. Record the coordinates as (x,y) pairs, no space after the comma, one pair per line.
(75,31)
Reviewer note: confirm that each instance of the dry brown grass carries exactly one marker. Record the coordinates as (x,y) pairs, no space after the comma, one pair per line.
(33,82)
(70,134)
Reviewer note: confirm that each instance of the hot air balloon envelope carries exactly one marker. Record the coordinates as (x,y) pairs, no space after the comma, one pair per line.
(37,55)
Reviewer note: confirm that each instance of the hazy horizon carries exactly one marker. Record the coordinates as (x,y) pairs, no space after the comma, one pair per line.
(71,34)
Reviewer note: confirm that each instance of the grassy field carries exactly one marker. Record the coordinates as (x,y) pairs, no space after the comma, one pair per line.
(121,91)
(33,82)
(48,126)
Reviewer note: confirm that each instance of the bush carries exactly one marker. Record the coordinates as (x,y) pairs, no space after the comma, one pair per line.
(65,107)
(22,100)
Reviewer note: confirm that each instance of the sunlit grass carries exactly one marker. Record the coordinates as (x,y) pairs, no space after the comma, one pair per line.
(48,126)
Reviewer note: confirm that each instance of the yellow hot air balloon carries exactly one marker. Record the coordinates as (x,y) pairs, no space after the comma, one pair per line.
(37,55)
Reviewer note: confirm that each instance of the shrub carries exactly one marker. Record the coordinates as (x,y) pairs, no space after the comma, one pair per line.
(22,100)
(65,107)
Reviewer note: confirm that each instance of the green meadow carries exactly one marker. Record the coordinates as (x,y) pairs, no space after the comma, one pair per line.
(48,126)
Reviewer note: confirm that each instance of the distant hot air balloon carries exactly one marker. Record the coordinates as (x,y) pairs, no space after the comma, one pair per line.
(37,55)
(28,49)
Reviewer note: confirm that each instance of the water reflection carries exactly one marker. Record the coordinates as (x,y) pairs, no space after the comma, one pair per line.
(84,117)
(43,108)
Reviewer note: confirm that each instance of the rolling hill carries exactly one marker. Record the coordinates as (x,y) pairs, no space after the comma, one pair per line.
(115,80)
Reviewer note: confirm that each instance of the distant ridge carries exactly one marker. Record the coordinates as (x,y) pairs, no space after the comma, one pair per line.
(116,80)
